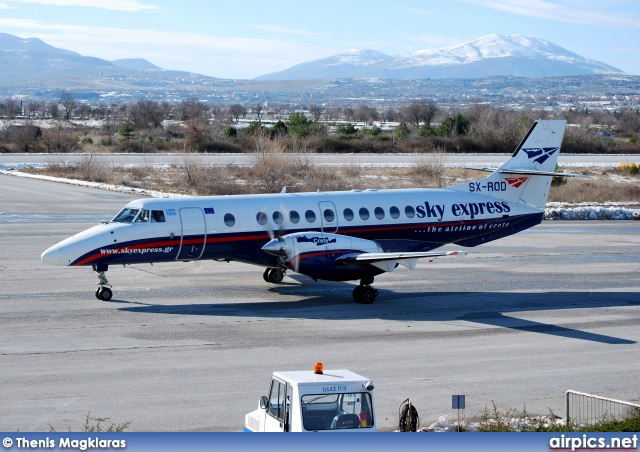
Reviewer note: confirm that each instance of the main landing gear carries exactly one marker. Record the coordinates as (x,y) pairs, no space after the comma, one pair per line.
(274,275)
(103,292)
(364,293)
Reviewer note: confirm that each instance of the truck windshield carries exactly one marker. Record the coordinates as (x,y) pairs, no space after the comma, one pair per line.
(337,411)
(126,215)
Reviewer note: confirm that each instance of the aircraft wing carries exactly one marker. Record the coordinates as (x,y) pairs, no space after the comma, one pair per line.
(389,261)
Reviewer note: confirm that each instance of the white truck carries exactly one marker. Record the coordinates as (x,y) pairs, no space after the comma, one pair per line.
(315,401)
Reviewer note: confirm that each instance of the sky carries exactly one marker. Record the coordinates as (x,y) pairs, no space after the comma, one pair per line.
(246,39)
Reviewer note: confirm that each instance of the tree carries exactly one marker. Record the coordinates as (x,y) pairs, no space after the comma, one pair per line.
(68,103)
(54,109)
(146,114)
(109,127)
(346,129)
(192,108)
(366,114)
(126,130)
(402,131)
(9,108)
(299,125)
(419,111)
(258,110)
(237,110)
(315,111)
(279,129)
(456,125)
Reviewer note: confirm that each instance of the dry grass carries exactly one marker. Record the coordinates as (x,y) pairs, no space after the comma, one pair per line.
(271,171)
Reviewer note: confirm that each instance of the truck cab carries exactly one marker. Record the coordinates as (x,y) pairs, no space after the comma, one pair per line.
(315,401)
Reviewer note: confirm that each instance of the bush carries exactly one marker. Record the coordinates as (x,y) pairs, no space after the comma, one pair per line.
(230,132)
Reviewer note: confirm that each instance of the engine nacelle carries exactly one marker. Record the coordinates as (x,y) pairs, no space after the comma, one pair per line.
(314,254)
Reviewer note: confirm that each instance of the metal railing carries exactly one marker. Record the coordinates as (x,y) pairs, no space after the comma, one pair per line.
(588,409)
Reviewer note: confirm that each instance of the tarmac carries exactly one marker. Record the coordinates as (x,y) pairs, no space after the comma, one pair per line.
(191,346)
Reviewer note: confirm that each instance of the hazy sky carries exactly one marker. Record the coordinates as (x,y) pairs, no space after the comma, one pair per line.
(245,39)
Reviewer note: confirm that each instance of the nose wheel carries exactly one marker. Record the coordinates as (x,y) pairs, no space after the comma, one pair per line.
(103,292)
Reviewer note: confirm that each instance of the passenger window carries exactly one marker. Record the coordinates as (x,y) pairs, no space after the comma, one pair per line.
(143,217)
(379,213)
(409,212)
(157,216)
(348,214)
(277,216)
(329,216)
(310,216)
(394,212)
(261,217)
(294,216)
(229,219)
(364,213)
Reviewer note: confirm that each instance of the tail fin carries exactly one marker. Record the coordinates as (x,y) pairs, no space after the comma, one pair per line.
(526,177)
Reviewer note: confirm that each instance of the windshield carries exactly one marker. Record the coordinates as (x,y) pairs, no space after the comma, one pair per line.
(126,215)
(337,411)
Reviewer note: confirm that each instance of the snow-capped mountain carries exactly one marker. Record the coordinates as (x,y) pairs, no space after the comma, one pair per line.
(352,63)
(492,55)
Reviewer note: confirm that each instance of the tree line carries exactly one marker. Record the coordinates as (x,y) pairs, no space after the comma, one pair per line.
(196,126)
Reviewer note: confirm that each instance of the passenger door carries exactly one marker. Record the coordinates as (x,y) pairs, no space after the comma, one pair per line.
(193,234)
(328,217)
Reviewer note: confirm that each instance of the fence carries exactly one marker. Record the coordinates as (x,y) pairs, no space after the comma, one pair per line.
(588,409)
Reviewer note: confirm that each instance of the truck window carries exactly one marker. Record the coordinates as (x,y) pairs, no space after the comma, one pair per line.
(276,400)
(337,411)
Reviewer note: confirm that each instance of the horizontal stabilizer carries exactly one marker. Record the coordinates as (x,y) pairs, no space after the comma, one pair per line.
(523,171)
(538,173)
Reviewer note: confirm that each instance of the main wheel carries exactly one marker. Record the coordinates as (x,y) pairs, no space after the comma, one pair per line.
(357,294)
(104,294)
(265,275)
(276,276)
(368,295)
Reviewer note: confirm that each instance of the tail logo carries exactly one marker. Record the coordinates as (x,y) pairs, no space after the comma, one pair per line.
(516,182)
(540,155)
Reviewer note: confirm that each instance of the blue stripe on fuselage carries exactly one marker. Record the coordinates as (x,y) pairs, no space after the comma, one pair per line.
(246,246)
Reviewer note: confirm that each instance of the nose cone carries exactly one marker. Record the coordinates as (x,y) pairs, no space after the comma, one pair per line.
(52,256)
(275,247)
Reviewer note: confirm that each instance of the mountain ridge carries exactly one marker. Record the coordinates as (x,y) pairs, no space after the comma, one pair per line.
(491,55)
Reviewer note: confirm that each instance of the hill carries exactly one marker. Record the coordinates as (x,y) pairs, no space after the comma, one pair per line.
(489,56)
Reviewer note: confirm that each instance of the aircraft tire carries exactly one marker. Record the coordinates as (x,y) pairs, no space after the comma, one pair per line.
(357,294)
(276,276)
(368,295)
(104,294)
(265,275)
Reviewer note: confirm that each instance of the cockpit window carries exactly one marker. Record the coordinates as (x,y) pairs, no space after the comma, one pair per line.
(126,215)
(157,216)
(143,216)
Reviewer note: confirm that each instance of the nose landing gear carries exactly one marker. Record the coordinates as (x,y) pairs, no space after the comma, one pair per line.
(103,292)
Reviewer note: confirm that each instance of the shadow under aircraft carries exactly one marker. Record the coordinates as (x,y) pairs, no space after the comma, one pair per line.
(498,309)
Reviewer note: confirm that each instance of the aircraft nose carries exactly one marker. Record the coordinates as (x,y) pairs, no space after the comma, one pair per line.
(52,256)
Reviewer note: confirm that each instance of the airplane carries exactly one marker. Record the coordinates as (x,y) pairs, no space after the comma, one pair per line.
(335,236)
